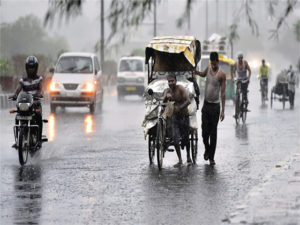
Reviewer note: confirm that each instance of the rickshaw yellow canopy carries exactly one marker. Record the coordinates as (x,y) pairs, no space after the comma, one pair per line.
(226,59)
(176,44)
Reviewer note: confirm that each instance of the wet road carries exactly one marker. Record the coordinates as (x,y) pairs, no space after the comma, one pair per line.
(95,170)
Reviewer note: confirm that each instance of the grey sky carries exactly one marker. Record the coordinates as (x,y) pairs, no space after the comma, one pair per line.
(83,32)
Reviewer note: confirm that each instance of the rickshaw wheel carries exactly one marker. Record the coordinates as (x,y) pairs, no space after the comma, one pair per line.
(272,96)
(244,113)
(283,99)
(237,109)
(160,144)
(194,145)
(151,148)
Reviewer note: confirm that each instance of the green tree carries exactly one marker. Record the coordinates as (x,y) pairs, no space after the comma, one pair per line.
(124,14)
(297,35)
(27,36)
(297,30)
(5,68)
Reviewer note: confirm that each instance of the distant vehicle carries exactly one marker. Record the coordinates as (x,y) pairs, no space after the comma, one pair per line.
(76,82)
(131,76)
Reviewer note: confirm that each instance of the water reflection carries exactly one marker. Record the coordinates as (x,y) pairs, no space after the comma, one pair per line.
(185,194)
(51,127)
(28,191)
(61,122)
(89,125)
(241,132)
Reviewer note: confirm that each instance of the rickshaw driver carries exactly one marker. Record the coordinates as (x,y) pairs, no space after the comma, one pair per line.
(180,117)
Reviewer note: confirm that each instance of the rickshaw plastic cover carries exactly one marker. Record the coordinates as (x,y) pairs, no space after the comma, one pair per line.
(189,46)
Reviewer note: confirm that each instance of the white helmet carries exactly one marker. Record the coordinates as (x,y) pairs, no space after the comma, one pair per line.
(240,54)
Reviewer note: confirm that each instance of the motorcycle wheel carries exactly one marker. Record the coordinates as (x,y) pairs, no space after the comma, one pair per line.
(22,147)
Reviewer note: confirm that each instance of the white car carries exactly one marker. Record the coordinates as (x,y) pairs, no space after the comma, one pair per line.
(76,82)
(131,77)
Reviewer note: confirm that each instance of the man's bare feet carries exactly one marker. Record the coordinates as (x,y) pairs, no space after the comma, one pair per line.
(179,164)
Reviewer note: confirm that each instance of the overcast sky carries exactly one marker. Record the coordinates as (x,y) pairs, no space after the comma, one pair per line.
(83,32)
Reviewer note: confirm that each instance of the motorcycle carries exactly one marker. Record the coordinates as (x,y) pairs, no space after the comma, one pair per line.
(27,130)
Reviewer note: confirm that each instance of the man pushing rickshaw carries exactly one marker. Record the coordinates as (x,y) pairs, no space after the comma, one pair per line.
(171,97)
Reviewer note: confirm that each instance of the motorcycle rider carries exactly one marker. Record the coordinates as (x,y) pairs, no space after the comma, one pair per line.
(32,84)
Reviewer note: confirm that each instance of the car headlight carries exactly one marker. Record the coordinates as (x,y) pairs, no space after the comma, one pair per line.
(140,80)
(121,79)
(24,106)
(89,87)
(54,86)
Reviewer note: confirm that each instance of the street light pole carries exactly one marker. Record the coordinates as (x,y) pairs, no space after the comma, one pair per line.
(102,32)
(154,31)
(206,20)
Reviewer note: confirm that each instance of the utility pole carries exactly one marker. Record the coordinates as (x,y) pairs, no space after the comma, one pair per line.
(154,24)
(206,20)
(189,20)
(102,32)
(217,16)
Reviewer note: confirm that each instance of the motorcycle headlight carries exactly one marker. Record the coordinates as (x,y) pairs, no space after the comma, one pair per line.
(24,106)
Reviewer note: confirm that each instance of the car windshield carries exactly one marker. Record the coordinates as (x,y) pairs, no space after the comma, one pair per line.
(131,65)
(72,64)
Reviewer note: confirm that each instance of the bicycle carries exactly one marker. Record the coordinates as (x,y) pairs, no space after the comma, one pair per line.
(264,90)
(240,103)
(160,138)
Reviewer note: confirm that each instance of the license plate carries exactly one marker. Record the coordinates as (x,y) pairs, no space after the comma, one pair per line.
(130,88)
(24,118)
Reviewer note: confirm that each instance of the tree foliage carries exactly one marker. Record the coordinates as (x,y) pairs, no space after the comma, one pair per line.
(5,68)
(124,14)
(297,30)
(27,36)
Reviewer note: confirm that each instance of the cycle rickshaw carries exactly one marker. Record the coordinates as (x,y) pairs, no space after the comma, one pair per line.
(226,64)
(164,55)
(280,92)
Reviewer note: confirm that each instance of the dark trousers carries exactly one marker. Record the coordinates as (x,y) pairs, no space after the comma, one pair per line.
(264,81)
(210,119)
(291,97)
(244,87)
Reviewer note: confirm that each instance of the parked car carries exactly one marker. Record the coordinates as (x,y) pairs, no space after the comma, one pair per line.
(76,82)
(131,76)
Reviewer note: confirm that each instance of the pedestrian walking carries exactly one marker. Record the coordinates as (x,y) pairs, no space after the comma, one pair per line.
(214,88)
(291,78)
